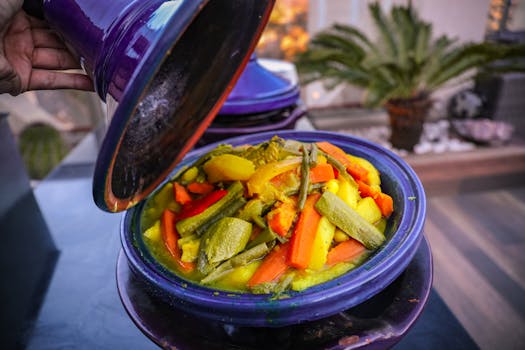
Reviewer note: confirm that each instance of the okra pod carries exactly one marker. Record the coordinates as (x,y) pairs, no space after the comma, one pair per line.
(348,220)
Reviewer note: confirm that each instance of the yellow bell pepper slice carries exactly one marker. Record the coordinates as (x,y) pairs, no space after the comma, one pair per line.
(262,176)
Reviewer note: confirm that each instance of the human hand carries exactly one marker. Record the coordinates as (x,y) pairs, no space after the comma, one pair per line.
(32,56)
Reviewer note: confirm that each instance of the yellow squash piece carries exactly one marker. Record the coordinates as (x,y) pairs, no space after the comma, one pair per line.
(322,241)
(153,233)
(348,193)
(369,210)
(228,167)
(312,278)
(239,276)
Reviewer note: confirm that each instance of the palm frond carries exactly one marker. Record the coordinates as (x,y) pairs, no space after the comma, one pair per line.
(385,30)
(470,56)
(403,61)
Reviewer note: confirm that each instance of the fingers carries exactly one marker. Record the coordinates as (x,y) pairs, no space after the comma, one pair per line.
(47,38)
(47,80)
(53,59)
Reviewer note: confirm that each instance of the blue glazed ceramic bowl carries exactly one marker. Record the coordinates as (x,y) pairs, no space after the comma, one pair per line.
(404,233)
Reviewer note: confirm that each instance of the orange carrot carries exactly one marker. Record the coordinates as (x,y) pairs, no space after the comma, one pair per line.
(383,200)
(365,190)
(357,171)
(344,251)
(281,218)
(272,267)
(354,169)
(385,203)
(200,187)
(322,173)
(181,194)
(304,234)
(170,237)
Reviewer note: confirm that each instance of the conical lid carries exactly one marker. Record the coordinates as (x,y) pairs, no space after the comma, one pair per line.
(259,90)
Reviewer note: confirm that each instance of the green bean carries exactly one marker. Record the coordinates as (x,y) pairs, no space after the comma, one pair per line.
(340,168)
(313,155)
(240,259)
(267,235)
(305,180)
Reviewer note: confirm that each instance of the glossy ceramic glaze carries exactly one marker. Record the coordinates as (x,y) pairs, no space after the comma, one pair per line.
(164,68)
(259,90)
(377,323)
(404,233)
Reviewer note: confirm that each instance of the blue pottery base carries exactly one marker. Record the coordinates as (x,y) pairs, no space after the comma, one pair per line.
(377,323)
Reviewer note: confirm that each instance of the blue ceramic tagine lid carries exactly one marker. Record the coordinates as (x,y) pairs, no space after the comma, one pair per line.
(164,69)
(259,90)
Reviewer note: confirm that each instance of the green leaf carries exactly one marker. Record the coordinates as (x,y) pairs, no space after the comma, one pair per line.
(384,29)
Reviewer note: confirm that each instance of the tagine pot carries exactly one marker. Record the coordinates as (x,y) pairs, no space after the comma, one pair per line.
(403,236)
(164,69)
(407,117)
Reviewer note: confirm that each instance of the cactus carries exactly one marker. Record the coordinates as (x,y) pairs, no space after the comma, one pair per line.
(42,148)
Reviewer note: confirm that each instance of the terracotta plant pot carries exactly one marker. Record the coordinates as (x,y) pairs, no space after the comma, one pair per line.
(406,120)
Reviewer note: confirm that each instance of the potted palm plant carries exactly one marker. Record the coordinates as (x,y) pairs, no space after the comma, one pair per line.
(401,68)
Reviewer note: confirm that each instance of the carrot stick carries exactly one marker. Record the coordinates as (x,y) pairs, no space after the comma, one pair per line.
(304,234)
(354,169)
(200,187)
(181,194)
(321,173)
(170,237)
(272,267)
(385,203)
(344,251)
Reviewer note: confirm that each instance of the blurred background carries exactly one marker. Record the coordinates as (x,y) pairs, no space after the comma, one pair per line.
(48,124)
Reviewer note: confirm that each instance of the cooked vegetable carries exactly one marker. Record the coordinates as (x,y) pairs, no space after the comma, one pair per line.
(313,278)
(373,173)
(322,173)
(225,238)
(228,167)
(200,187)
(304,234)
(200,222)
(384,201)
(344,252)
(268,218)
(348,220)
(197,206)
(356,170)
(272,267)
(181,194)
(348,193)
(281,219)
(369,210)
(240,260)
(170,237)
(322,242)
(262,176)
(305,180)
